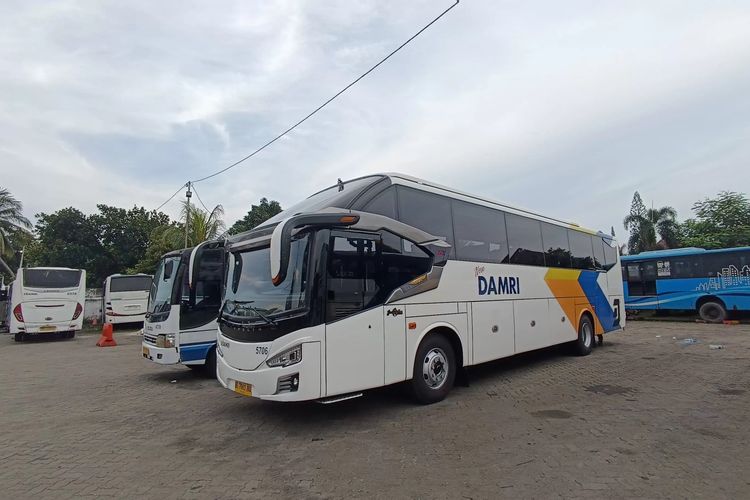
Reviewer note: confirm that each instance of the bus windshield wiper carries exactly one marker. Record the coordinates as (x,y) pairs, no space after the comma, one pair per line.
(249,305)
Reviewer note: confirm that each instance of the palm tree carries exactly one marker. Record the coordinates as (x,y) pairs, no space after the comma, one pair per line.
(664,222)
(12,224)
(644,224)
(202,225)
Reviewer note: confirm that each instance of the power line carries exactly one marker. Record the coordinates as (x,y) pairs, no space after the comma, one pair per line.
(264,146)
(199,198)
(170,198)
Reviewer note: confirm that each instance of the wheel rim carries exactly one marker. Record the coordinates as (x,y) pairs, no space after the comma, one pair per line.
(586,334)
(712,312)
(435,368)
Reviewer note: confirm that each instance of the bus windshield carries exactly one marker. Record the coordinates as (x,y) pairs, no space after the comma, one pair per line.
(250,295)
(51,278)
(159,299)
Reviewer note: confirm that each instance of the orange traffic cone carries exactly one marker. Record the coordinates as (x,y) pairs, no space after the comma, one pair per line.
(106,339)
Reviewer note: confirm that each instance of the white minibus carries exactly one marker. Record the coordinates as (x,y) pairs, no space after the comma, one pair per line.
(47,300)
(125,298)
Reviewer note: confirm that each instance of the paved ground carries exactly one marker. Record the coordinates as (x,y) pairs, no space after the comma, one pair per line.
(643,416)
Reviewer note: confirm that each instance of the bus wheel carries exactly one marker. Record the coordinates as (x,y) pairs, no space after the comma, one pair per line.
(210,366)
(582,346)
(712,312)
(19,337)
(434,370)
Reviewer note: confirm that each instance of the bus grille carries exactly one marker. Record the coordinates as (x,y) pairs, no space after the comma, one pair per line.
(149,339)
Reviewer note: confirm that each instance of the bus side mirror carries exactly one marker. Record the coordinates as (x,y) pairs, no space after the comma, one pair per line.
(168,268)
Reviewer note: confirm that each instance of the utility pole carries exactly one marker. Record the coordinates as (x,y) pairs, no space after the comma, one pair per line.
(188,194)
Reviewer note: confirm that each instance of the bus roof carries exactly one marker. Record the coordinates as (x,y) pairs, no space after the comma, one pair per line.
(678,252)
(417,183)
(454,193)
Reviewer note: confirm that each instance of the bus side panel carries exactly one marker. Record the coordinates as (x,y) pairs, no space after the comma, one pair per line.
(493,330)
(194,345)
(423,325)
(679,293)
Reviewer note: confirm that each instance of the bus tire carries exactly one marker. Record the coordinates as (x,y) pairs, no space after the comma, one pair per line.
(434,370)
(585,341)
(19,337)
(210,367)
(712,312)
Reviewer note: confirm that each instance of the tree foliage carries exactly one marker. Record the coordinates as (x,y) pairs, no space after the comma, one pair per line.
(12,222)
(257,215)
(108,242)
(202,226)
(644,224)
(720,222)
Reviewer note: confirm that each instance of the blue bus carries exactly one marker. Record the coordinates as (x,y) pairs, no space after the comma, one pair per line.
(711,282)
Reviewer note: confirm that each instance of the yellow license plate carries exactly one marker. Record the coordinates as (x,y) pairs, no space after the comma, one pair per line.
(243,388)
(48,328)
(146,352)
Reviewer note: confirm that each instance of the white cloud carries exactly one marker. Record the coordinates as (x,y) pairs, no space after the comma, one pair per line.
(563,108)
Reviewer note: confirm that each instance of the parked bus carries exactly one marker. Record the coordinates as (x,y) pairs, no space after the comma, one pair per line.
(47,300)
(125,298)
(710,282)
(388,278)
(180,325)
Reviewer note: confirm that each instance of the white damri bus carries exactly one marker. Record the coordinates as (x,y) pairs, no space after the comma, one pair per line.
(180,325)
(47,300)
(388,278)
(125,298)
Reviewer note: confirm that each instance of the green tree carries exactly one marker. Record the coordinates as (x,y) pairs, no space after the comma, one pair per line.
(124,234)
(69,238)
(644,224)
(720,222)
(257,215)
(202,226)
(14,228)
(162,239)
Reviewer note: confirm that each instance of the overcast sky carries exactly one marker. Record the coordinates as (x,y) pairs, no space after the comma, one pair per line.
(562,107)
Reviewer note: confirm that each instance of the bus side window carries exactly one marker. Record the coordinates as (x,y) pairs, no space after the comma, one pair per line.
(556,245)
(582,249)
(383,204)
(363,270)
(599,261)
(524,240)
(480,233)
(428,212)
(610,255)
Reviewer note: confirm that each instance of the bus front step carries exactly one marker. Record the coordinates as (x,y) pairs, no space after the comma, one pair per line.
(340,397)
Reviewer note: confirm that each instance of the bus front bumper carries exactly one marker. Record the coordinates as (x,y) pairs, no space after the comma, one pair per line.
(160,355)
(298,382)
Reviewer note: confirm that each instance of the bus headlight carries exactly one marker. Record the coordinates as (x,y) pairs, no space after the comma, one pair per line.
(287,358)
(165,340)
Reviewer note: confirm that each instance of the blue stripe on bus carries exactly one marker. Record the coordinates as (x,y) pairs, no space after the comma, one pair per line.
(596,297)
(195,352)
